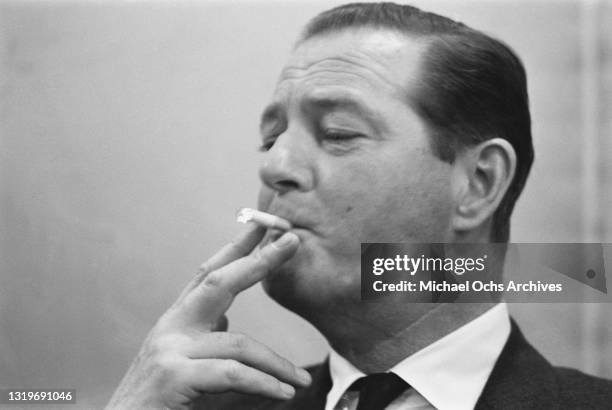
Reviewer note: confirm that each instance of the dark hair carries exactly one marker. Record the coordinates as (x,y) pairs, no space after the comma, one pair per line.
(471,88)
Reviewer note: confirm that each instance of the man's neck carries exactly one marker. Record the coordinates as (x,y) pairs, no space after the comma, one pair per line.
(378,344)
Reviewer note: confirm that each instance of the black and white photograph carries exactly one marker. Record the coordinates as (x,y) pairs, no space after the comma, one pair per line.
(305,204)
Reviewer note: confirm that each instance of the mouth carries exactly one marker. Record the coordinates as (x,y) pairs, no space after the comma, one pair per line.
(301,224)
(297,221)
(272,234)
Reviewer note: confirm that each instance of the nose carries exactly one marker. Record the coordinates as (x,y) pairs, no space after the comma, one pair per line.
(287,165)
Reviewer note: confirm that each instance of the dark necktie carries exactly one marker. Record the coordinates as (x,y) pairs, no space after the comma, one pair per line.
(377,390)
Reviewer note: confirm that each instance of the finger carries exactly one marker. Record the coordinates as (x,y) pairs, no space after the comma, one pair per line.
(211,299)
(240,246)
(221,345)
(221,325)
(217,375)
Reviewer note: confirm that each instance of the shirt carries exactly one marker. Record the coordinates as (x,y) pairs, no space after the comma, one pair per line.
(448,374)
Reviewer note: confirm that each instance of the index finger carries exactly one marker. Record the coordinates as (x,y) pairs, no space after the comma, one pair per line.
(211,299)
(239,247)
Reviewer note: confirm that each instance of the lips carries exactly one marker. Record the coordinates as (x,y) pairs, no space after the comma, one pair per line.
(270,236)
(299,223)
(297,220)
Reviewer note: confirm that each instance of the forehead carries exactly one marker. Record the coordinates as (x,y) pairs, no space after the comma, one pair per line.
(365,60)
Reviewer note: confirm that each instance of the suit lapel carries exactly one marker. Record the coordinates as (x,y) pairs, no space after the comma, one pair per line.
(521,378)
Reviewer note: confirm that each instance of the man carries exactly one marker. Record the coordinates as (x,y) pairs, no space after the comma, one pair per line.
(388,124)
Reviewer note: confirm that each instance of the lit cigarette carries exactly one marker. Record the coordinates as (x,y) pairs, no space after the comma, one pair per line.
(246,215)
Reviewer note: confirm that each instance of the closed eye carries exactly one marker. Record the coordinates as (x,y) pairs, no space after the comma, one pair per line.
(330,136)
(340,136)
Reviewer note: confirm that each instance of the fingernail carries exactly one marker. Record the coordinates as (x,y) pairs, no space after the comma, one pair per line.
(287,239)
(287,390)
(303,375)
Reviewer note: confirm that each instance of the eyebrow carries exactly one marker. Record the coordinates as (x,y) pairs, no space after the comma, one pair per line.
(349,103)
(270,113)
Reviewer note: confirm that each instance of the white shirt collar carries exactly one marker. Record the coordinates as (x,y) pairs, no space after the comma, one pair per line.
(449,373)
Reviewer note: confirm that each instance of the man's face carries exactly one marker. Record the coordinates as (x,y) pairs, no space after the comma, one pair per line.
(348,161)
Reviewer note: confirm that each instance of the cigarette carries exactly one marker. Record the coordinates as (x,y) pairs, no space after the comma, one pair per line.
(246,215)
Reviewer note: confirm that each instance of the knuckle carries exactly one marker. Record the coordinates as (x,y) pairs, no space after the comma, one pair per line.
(166,344)
(234,372)
(213,280)
(204,268)
(238,246)
(159,346)
(261,258)
(239,343)
(269,383)
(288,367)
(178,399)
(283,366)
(162,344)
(166,368)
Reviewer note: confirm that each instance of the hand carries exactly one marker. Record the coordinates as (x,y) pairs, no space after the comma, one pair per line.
(188,353)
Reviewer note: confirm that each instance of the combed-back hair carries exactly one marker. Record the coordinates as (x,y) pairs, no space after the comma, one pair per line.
(471,87)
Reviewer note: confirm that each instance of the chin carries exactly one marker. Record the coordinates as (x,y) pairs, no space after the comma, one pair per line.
(290,284)
(305,287)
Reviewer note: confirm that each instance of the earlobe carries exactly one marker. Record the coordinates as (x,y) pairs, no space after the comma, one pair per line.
(489,168)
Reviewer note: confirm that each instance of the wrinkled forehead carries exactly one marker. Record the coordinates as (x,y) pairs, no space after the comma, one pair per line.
(366,58)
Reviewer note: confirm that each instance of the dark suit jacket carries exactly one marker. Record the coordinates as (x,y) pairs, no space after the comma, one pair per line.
(521,379)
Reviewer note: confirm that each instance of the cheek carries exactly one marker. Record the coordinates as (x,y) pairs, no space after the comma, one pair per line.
(424,212)
(419,209)
(409,202)
(345,196)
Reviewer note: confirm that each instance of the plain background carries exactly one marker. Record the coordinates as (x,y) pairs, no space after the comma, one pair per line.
(128,142)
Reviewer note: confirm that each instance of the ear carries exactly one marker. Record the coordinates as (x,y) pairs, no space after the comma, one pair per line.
(486,172)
